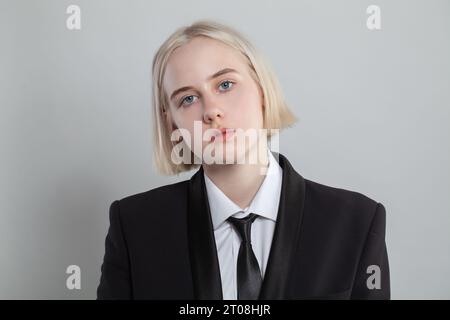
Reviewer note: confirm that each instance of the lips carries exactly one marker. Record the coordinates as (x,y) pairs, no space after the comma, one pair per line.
(224,134)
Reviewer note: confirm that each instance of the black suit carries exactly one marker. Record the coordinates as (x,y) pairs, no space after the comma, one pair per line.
(161,245)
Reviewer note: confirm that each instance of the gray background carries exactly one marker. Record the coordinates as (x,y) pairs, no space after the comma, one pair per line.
(75,130)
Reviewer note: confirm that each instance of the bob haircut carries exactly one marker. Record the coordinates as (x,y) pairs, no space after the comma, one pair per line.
(276,113)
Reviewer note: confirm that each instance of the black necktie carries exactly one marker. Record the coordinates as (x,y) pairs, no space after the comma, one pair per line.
(248,273)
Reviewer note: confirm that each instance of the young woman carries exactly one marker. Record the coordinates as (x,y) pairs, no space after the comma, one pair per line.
(246,225)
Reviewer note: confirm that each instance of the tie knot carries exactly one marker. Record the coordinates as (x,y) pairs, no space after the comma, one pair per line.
(243,226)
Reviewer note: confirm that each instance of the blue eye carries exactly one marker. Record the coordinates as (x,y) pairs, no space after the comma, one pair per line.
(230,84)
(190,98)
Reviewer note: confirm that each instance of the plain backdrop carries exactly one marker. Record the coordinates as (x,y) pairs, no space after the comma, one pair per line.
(75,123)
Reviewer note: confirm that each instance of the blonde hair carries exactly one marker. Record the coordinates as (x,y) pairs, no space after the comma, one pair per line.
(276,113)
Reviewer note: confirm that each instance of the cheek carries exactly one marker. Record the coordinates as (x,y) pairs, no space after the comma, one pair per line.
(247,107)
(185,118)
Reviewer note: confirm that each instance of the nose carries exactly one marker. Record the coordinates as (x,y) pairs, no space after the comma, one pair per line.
(212,113)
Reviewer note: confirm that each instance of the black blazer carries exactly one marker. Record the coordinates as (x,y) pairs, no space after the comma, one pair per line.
(160,244)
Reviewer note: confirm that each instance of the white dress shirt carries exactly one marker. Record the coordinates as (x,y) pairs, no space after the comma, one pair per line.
(265,204)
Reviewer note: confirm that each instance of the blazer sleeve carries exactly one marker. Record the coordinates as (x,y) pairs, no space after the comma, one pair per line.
(372,279)
(115,280)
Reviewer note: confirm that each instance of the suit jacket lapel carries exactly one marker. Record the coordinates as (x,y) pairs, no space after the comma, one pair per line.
(202,244)
(286,234)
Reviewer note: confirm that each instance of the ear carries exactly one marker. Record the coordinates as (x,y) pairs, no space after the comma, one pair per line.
(169,121)
(261,95)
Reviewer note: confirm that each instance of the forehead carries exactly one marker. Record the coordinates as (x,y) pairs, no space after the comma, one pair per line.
(196,60)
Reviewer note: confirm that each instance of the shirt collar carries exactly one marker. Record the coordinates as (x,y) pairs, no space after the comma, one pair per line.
(265,202)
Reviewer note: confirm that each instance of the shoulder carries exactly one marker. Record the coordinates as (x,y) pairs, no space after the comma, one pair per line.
(153,204)
(339,204)
(338,196)
(158,194)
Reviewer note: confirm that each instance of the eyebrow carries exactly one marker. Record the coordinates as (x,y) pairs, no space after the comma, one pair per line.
(215,75)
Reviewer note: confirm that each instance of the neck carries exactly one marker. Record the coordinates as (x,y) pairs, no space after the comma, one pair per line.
(239,182)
